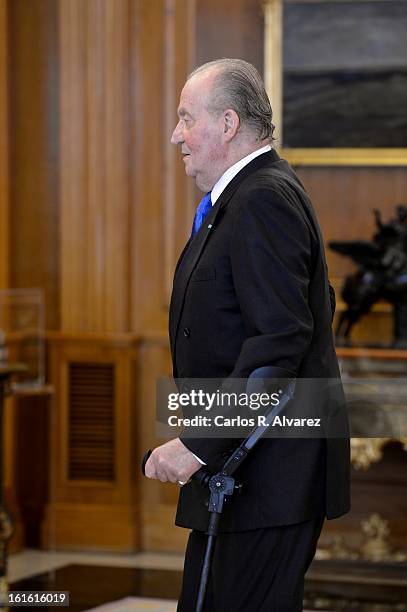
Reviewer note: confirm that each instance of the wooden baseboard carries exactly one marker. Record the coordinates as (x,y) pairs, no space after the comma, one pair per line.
(91,527)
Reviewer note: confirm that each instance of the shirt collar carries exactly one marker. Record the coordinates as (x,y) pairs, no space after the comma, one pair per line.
(233,170)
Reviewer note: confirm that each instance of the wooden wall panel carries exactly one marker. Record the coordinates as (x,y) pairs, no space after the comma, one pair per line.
(4,201)
(33,129)
(229,28)
(162,197)
(178,198)
(94,170)
(83,501)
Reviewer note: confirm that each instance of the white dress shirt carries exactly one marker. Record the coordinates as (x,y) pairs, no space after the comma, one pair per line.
(231,172)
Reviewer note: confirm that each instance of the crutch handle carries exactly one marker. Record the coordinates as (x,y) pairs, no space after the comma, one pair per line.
(202,476)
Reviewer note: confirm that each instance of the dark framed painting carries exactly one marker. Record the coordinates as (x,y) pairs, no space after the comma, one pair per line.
(336,72)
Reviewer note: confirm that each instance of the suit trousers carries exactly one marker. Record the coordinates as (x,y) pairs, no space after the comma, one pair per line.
(260,570)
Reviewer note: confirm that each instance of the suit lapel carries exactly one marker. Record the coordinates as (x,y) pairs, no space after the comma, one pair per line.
(185,266)
(180,258)
(193,249)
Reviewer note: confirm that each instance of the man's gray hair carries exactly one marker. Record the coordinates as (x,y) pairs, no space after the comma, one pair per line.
(238,85)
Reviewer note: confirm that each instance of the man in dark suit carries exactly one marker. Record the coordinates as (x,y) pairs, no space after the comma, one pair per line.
(250,292)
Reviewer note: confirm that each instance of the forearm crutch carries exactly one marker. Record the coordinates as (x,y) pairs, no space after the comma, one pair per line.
(222,485)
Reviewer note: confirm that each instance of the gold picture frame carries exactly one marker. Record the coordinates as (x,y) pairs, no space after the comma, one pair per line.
(273,77)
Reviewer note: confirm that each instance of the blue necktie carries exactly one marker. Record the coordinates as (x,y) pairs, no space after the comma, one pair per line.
(203,209)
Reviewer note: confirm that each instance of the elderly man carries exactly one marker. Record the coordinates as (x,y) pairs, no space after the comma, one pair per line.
(250,291)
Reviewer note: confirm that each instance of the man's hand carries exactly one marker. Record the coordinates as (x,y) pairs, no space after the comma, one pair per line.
(172,462)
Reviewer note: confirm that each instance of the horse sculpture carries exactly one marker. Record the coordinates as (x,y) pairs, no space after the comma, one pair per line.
(382,274)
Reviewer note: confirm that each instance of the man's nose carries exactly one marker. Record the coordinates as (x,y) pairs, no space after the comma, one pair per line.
(176,137)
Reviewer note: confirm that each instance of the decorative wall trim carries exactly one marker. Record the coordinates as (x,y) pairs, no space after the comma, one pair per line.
(345,157)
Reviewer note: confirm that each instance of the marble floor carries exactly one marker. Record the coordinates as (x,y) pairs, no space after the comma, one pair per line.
(130,604)
(147,573)
(102,582)
(152,582)
(32,561)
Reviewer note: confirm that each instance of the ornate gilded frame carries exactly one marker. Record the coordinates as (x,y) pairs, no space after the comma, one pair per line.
(273,77)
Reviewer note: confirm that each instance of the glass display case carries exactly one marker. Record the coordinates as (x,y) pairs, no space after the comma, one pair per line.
(22,327)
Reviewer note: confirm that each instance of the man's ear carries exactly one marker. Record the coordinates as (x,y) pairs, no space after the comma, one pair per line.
(231,124)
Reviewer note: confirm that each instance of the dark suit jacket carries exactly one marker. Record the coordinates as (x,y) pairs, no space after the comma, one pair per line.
(252,291)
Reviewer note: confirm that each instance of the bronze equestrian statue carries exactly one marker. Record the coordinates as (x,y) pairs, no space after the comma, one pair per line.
(382,274)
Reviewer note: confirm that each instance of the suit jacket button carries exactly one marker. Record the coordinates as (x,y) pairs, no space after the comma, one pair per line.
(187,332)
